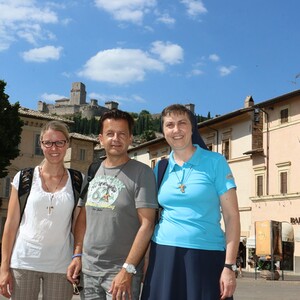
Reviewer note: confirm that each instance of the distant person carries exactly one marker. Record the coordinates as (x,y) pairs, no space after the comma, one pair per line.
(117,218)
(191,258)
(37,246)
(240,260)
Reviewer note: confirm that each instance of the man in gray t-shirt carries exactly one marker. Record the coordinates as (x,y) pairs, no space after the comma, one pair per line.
(116,220)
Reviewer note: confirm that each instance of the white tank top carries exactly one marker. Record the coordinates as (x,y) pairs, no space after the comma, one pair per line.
(44,241)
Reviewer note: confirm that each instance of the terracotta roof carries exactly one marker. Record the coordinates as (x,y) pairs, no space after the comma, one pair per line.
(26,112)
(79,136)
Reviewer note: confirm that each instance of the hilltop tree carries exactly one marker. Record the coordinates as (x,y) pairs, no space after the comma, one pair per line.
(10,130)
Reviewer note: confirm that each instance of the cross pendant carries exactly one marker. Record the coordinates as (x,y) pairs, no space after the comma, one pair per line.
(50,209)
(182,187)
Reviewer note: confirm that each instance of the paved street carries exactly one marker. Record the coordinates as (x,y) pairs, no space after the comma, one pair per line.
(249,288)
(74,298)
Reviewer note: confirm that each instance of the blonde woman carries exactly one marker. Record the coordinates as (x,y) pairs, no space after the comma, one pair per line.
(37,245)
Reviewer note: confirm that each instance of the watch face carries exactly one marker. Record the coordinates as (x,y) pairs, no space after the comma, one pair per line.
(131,269)
(232,267)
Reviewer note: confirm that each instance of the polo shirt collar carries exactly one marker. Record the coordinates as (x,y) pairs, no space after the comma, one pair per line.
(193,161)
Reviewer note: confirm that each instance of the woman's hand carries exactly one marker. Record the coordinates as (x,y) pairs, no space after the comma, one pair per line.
(6,283)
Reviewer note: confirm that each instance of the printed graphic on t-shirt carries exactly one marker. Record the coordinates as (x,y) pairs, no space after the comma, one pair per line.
(104,191)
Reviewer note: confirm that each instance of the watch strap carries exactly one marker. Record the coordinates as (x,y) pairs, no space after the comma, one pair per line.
(231,267)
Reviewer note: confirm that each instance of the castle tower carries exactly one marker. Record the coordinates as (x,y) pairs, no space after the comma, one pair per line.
(191,107)
(111,104)
(78,94)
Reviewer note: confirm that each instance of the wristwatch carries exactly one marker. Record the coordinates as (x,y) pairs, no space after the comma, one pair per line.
(232,267)
(129,268)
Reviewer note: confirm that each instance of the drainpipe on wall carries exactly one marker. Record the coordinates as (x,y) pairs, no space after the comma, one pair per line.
(268,152)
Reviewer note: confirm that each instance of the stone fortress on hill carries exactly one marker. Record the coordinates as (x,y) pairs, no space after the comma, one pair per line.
(76,104)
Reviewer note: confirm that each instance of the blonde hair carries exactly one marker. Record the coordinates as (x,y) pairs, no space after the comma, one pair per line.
(57,126)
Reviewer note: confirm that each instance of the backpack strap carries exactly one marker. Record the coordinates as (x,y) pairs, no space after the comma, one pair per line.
(92,170)
(76,178)
(25,183)
(162,166)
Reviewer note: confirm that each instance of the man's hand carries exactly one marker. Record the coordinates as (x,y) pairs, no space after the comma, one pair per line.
(121,286)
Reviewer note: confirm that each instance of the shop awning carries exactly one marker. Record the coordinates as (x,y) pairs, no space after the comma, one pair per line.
(287,232)
(250,242)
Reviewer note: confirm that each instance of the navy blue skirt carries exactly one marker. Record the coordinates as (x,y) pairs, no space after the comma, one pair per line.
(176,273)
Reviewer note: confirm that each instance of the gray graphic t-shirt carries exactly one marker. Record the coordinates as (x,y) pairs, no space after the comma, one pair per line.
(113,197)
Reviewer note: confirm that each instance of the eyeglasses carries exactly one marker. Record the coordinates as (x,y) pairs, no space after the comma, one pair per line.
(77,289)
(59,144)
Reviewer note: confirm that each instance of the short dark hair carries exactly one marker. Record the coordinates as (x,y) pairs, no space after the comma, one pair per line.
(181,109)
(177,109)
(117,114)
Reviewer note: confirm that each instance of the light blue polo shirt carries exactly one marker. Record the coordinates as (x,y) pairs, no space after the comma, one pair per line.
(191,219)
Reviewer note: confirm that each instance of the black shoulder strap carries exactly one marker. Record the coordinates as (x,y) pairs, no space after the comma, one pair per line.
(93,168)
(76,178)
(162,166)
(25,183)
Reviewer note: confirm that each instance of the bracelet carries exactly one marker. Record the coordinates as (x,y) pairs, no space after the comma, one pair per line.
(77,255)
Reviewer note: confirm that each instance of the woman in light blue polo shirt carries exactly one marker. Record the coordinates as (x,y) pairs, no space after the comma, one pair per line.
(191,258)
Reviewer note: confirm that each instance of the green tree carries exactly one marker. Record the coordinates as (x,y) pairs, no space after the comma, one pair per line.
(10,130)
(147,135)
(143,122)
(85,126)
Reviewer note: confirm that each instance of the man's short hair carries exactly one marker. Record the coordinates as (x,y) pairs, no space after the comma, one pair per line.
(117,114)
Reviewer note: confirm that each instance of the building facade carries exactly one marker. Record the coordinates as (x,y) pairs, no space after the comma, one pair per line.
(261,143)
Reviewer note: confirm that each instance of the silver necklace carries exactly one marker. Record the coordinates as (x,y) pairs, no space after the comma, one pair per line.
(50,207)
(106,196)
(181,183)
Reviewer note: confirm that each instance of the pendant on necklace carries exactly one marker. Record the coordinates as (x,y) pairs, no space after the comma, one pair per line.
(181,187)
(50,210)
(184,179)
(50,207)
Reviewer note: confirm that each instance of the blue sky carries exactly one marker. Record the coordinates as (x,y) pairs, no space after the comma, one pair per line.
(147,54)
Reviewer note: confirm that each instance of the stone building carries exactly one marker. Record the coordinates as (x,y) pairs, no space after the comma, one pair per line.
(76,104)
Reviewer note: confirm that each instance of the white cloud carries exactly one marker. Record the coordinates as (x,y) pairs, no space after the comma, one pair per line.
(195,72)
(120,66)
(194,7)
(51,97)
(127,10)
(166,19)
(25,19)
(224,71)
(118,98)
(42,54)
(27,10)
(214,57)
(66,74)
(167,52)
